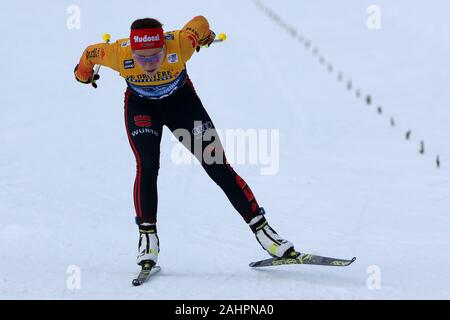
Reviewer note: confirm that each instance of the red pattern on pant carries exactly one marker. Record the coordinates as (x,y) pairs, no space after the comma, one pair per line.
(137,181)
(247,191)
(189,82)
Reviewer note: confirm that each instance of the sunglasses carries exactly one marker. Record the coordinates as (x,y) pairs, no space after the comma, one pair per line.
(154,58)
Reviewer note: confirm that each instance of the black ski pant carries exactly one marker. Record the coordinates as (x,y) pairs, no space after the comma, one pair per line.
(145,118)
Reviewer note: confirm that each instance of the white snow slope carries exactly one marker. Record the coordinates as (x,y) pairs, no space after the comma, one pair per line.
(348,183)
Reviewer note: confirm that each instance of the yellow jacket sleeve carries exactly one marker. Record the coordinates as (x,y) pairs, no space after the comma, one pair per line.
(104,54)
(192,34)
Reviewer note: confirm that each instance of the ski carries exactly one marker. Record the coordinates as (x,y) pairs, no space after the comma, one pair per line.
(146,272)
(304,259)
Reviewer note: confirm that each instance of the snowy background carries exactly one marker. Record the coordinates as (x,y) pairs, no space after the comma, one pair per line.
(349,184)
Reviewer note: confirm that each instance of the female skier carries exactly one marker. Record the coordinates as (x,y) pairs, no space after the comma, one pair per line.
(159,92)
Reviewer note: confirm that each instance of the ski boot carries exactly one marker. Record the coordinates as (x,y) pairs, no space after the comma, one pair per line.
(269,239)
(148,245)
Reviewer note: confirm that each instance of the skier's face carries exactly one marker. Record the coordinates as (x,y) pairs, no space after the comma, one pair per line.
(149,59)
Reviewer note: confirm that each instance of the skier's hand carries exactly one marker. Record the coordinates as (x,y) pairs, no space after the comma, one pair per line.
(206,41)
(86,78)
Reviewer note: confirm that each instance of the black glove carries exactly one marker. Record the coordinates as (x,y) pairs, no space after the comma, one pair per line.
(205,42)
(92,78)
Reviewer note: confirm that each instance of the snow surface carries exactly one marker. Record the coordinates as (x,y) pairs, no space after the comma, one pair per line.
(348,184)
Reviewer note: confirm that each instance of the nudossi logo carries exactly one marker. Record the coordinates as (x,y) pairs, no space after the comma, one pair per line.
(146,39)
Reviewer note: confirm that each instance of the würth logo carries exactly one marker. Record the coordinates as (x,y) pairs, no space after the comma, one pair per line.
(143,121)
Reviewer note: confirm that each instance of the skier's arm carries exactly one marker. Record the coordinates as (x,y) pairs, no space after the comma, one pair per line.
(104,54)
(195,33)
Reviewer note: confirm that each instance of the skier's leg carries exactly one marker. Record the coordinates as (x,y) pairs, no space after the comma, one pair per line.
(184,115)
(144,130)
